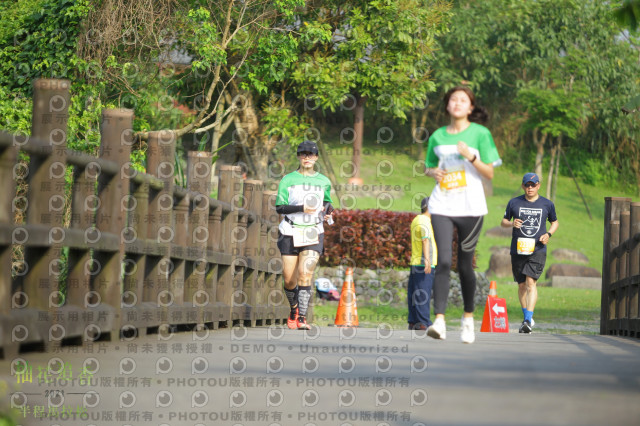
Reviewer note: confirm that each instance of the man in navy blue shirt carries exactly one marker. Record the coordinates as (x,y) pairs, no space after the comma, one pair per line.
(529,239)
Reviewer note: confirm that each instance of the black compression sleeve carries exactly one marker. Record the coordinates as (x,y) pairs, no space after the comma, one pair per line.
(328,208)
(287,209)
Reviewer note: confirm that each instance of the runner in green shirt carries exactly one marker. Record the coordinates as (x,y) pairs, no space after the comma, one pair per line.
(304,198)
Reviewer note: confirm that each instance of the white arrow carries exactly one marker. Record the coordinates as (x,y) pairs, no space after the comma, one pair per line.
(497,309)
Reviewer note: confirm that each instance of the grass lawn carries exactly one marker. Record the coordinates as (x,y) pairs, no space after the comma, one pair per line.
(559,310)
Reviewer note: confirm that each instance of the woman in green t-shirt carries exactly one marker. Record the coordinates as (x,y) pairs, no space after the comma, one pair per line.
(458,157)
(304,200)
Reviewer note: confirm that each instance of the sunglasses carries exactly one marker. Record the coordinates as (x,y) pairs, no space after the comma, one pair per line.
(530,185)
(306,154)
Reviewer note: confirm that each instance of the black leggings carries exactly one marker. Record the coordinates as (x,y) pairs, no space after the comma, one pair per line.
(469,228)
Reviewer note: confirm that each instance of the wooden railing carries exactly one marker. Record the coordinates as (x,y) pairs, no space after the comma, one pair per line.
(621,268)
(118,253)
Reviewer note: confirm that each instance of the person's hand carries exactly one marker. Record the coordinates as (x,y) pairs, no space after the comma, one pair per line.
(438,174)
(544,239)
(427,268)
(463,150)
(517,223)
(328,216)
(310,210)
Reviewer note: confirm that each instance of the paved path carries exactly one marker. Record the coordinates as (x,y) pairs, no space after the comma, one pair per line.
(331,376)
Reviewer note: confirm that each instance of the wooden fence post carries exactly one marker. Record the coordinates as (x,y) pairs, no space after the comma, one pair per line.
(8,155)
(278,305)
(623,273)
(634,271)
(253,253)
(159,269)
(83,207)
(216,311)
(47,168)
(199,181)
(613,206)
(46,206)
(111,218)
(229,190)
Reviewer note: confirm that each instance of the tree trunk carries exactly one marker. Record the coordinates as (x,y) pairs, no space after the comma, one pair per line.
(215,143)
(255,145)
(358,128)
(326,161)
(554,152)
(418,132)
(555,180)
(539,143)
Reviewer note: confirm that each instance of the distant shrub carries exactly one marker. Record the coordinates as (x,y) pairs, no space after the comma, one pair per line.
(374,239)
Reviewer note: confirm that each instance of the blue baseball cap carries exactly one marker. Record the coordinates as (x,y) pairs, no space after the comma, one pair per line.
(530,177)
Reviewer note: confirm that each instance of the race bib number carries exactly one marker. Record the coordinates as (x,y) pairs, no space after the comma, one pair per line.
(453,180)
(526,245)
(305,236)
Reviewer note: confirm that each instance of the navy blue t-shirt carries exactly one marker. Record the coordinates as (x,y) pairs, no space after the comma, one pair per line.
(534,215)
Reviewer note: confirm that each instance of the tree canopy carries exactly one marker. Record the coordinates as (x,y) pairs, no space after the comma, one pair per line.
(261,70)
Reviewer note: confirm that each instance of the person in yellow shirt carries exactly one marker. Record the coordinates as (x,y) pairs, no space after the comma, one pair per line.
(424,256)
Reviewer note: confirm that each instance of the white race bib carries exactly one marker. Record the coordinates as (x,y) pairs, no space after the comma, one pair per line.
(305,236)
(526,245)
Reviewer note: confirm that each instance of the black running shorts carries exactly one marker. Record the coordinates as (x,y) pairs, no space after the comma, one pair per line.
(524,266)
(285,245)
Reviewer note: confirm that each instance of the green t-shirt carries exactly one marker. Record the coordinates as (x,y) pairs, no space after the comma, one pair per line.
(296,189)
(460,193)
(420,229)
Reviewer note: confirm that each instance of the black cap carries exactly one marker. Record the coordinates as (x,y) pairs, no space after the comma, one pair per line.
(425,203)
(308,146)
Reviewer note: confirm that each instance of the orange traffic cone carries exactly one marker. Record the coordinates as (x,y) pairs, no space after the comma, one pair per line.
(495,319)
(493,291)
(347,315)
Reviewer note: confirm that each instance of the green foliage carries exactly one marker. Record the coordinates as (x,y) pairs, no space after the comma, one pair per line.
(274,55)
(283,125)
(628,14)
(379,49)
(287,7)
(500,47)
(44,45)
(204,42)
(557,111)
(15,112)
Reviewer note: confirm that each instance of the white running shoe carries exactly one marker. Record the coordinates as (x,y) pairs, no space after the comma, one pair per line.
(532,322)
(467,335)
(438,329)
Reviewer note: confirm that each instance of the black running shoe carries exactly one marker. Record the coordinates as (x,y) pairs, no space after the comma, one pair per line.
(525,327)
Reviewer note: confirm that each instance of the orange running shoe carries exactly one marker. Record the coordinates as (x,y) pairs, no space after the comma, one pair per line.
(302,324)
(292,323)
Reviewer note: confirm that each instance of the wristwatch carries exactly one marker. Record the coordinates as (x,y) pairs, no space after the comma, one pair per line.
(549,234)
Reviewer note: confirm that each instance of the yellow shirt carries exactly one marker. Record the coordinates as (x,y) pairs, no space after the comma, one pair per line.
(420,229)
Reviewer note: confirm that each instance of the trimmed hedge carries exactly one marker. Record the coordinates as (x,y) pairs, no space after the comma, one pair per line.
(375,239)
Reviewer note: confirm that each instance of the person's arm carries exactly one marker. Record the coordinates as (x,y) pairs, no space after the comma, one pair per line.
(544,239)
(426,253)
(328,211)
(486,170)
(506,223)
(506,219)
(436,173)
(288,209)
